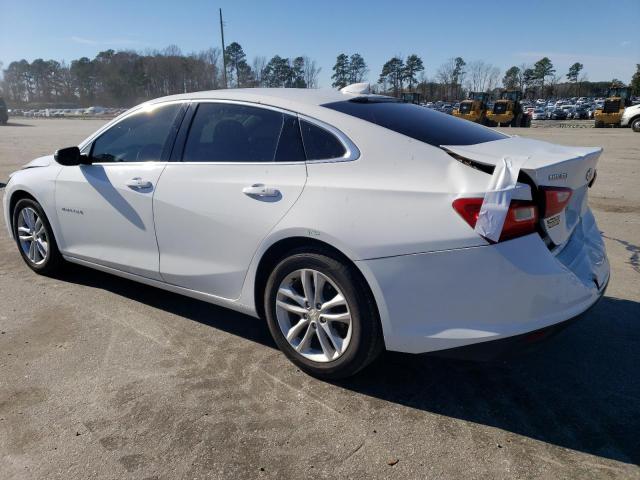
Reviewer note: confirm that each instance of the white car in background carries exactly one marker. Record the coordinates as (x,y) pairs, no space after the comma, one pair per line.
(631,118)
(351,222)
(539,114)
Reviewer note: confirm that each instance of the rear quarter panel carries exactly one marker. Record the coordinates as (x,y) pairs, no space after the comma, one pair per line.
(395,199)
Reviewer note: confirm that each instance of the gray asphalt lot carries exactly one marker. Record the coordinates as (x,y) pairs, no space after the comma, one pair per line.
(101,377)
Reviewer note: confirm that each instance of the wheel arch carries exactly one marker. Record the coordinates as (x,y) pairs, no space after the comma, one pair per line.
(281,249)
(14,198)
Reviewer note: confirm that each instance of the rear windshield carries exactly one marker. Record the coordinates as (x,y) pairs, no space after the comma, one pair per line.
(417,122)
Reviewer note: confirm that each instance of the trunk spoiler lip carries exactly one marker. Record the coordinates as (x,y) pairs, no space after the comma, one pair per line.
(541,154)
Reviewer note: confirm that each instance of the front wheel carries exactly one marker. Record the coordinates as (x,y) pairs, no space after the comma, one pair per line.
(635,125)
(322,315)
(34,237)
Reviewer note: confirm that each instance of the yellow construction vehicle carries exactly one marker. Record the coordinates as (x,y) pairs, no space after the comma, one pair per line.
(508,111)
(610,114)
(474,108)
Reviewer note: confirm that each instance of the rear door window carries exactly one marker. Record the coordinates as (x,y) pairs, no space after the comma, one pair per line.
(224,132)
(420,123)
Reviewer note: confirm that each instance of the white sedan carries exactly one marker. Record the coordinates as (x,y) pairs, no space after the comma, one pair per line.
(352,222)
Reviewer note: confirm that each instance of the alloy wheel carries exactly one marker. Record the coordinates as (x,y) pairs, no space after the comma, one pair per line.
(313,315)
(32,236)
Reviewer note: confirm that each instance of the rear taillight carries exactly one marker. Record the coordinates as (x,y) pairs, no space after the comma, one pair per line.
(555,200)
(521,218)
(468,209)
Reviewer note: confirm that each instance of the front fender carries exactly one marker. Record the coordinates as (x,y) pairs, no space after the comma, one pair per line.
(39,183)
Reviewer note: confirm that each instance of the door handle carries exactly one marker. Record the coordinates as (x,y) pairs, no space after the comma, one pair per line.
(261,190)
(138,183)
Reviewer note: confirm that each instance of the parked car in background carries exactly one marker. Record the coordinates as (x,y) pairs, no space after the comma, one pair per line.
(569,110)
(558,114)
(631,118)
(581,112)
(539,114)
(258,200)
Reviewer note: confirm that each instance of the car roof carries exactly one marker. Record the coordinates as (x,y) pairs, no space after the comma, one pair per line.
(283,97)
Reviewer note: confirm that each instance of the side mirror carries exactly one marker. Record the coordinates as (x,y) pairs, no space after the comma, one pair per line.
(69,156)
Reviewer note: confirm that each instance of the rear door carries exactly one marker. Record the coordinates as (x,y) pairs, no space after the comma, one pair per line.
(242,169)
(105,209)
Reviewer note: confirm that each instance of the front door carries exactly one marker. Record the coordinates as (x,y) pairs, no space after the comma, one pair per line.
(106,208)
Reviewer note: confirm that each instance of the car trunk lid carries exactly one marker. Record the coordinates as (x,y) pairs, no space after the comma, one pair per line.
(547,165)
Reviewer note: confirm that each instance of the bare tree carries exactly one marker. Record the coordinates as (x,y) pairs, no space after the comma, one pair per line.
(521,77)
(482,77)
(553,84)
(451,75)
(494,78)
(444,76)
(311,73)
(258,65)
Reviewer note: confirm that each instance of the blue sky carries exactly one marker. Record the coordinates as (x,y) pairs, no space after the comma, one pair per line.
(599,34)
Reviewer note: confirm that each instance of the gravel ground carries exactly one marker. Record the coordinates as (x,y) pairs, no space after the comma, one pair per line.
(104,378)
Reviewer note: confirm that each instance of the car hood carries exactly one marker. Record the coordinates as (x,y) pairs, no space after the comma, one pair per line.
(36,163)
(39,162)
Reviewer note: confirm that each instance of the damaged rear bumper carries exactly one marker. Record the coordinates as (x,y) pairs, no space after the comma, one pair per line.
(506,347)
(447,299)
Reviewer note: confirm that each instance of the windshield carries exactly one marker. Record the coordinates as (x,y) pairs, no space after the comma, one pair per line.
(420,123)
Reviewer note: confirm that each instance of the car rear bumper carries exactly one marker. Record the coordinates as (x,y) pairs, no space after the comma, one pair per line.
(504,348)
(447,299)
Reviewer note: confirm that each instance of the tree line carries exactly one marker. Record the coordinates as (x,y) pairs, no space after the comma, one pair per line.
(124,78)
(456,77)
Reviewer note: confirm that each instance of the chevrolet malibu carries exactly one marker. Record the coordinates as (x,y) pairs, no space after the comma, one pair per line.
(351,222)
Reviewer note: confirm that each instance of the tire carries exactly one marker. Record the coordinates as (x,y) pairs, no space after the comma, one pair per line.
(635,124)
(598,124)
(311,348)
(52,260)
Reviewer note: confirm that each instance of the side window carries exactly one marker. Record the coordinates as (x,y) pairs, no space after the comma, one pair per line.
(290,148)
(222,132)
(138,138)
(319,144)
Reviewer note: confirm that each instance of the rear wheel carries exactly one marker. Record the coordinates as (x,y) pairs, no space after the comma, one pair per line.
(635,124)
(35,238)
(322,316)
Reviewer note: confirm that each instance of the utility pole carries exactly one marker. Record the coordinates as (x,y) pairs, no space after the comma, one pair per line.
(224,58)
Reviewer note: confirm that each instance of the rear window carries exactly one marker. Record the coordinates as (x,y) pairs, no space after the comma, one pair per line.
(417,122)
